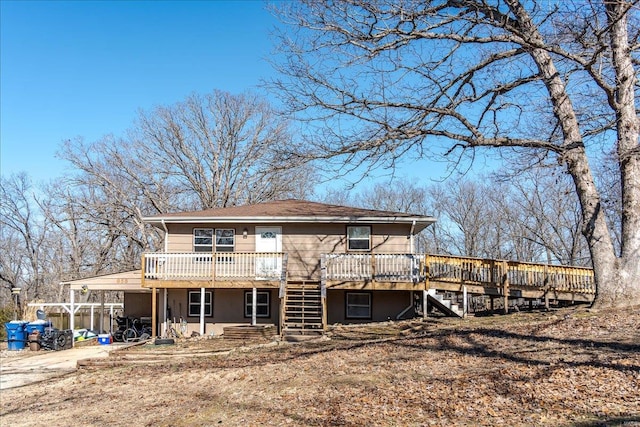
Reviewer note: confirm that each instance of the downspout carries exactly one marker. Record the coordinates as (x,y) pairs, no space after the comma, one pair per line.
(166,235)
(413,227)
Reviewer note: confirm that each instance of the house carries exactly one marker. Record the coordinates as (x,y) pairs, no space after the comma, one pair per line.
(301,265)
(297,264)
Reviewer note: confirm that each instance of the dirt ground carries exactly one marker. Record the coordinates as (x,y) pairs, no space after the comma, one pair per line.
(571,367)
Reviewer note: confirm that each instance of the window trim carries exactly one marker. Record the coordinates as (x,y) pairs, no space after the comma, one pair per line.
(209,304)
(368,239)
(248,299)
(369,305)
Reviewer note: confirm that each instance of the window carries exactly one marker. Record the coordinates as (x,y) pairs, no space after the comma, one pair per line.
(359,238)
(194,303)
(358,305)
(225,239)
(262,304)
(203,239)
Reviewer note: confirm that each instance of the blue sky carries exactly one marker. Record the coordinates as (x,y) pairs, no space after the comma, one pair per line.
(71,68)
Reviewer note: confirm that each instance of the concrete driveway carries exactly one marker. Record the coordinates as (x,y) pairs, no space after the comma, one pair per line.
(19,368)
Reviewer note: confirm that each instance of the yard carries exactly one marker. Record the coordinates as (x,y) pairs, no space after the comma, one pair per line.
(570,367)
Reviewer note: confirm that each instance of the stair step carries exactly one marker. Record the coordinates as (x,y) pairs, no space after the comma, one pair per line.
(301,315)
(298,327)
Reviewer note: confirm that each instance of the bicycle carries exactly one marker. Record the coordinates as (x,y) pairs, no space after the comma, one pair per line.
(137,331)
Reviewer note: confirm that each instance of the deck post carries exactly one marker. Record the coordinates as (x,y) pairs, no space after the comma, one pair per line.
(202,308)
(425,294)
(373,267)
(154,314)
(464,301)
(546,287)
(505,286)
(425,303)
(164,312)
(324,313)
(254,303)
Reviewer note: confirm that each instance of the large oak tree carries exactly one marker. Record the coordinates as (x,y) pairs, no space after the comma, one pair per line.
(542,81)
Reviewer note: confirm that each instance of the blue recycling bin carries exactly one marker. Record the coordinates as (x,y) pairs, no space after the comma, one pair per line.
(16,338)
(38,325)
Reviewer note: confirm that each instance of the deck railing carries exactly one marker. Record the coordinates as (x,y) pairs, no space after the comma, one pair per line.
(211,266)
(372,267)
(379,267)
(458,270)
(475,271)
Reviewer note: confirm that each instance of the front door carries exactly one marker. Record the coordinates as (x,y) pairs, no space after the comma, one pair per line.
(268,239)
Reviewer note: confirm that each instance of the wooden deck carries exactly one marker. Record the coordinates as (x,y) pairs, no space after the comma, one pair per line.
(411,272)
(380,272)
(509,278)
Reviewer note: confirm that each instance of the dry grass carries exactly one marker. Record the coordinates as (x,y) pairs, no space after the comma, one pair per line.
(565,368)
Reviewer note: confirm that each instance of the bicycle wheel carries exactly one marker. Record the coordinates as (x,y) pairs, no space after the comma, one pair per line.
(129,335)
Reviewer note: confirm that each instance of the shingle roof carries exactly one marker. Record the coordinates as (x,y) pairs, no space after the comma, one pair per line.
(288,211)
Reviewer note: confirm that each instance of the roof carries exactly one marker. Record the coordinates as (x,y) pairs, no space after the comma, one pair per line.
(130,281)
(288,211)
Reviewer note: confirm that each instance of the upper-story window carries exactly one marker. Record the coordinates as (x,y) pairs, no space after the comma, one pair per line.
(225,239)
(359,238)
(203,239)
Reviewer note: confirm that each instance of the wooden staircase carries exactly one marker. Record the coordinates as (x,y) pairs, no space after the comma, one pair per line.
(445,305)
(302,310)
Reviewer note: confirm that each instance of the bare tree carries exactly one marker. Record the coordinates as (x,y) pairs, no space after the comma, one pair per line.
(221,148)
(546,213)
(468,222)
(26,242)
(543,81)
(209,151)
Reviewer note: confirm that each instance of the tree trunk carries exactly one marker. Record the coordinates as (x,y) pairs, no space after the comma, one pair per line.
(624,288)
(616,278)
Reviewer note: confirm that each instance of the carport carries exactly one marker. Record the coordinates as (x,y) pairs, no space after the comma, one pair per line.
(128,282)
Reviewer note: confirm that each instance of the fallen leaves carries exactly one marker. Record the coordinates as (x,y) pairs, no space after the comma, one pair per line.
(562,368)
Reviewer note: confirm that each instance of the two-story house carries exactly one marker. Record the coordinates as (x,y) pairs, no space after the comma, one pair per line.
(296,264)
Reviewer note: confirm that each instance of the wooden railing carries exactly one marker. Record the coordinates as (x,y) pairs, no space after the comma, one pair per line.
(475,271)
(208,266)
(413,268)
(380,267)
(457,270)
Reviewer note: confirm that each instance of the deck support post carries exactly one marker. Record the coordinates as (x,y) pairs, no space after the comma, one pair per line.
(202,308)
(324,312)
(154,313)
(464,301)
(164,312)
(505,286)
(425,303)
(254,303)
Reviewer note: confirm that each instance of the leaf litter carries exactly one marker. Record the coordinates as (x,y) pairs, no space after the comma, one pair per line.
(569,367)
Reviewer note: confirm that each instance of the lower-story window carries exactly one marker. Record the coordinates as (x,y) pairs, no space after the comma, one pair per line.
(262,304)
(358,305)
(194,303)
